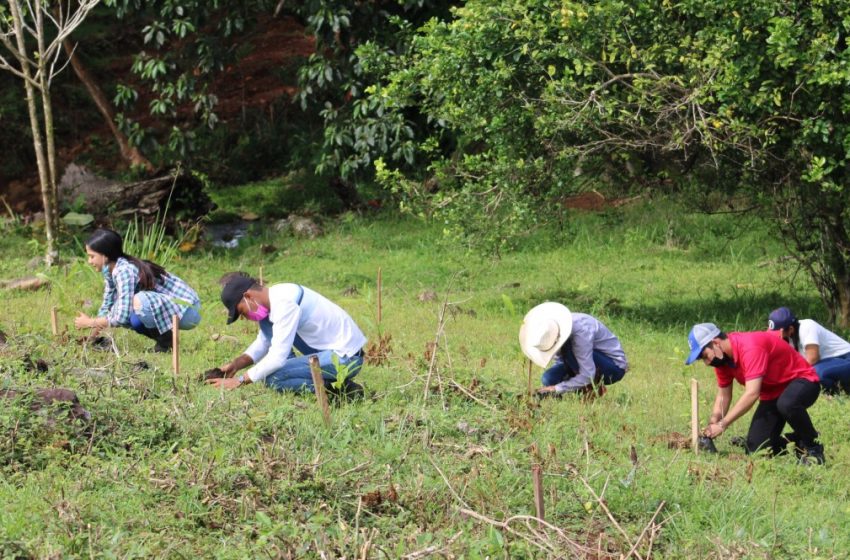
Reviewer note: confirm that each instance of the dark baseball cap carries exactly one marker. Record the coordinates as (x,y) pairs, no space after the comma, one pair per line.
(780,319)
(232,293)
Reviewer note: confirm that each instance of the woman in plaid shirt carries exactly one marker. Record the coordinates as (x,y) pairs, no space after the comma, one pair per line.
(138,294)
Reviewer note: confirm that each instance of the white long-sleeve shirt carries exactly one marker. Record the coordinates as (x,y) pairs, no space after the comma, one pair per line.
(321,324)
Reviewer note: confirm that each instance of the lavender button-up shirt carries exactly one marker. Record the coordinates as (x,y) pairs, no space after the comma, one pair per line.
(590,334)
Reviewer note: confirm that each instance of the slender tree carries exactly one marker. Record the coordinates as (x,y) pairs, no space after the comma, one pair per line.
(33,32)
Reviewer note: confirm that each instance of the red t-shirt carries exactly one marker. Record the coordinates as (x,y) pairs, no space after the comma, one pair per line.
(763,354)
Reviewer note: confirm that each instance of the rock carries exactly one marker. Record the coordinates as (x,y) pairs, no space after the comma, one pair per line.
(305,227)
(300,226)
(75,219)
(427,295)
(35,263)
(224,338)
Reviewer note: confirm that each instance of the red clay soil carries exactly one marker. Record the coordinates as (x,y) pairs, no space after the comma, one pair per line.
(273,48)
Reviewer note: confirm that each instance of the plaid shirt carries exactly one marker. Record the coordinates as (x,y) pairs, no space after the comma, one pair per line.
(170,296)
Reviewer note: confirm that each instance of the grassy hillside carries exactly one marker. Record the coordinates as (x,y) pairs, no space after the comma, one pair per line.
(171,468)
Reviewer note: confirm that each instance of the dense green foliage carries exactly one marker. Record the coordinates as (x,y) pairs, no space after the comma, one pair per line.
(486,115)
(720,97)
(170,468)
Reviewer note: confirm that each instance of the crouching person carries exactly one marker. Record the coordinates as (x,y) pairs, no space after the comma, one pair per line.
(587,356)
(290,317)
(138,294)
(773,374)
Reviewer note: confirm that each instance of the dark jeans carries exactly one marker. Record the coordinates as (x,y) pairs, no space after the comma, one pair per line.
(834,373)
(770,417)
(566,367)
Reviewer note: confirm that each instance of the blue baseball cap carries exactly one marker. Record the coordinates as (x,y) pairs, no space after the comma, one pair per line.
(700,337)
(780,318)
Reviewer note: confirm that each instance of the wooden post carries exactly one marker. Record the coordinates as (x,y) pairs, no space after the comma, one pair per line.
(379,296)
(319,384)
(261,275)
(530,392)
(175,344)
(54,321)
(537,481)
(695,416)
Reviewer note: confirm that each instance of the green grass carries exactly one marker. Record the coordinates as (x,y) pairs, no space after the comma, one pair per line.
(176,469)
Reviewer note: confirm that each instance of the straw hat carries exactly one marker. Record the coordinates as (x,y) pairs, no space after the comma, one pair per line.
(544,330)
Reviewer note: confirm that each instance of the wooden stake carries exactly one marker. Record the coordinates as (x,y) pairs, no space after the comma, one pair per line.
(695,416)
(261,275)
(379,296)
(54,321)
(537,479)
(319,384)
(175,344)
(530,392)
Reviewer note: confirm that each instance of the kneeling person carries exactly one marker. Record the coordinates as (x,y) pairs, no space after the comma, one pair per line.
(587,355)
(290,317)
(827,352)
(773,374)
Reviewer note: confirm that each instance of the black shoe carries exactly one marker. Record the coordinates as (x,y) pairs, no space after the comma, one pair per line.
(707,444)
(738,441)
(163,342)
(812,455)
(353,391)
(350,391)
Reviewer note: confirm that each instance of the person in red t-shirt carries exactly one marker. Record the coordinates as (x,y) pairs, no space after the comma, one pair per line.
(773,374)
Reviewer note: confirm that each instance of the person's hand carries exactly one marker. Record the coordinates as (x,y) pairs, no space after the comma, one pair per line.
(713,430)
(547,392)
(228,369)
(224,383)
(83,321)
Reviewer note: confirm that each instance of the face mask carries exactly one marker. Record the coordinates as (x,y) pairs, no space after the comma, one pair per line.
(724,360)
(257,315)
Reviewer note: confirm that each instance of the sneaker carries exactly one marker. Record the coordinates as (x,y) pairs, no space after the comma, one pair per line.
(163,342)
(812,455)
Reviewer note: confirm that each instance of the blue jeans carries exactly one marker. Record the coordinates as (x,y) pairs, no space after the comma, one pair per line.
(566,367)
(834,373)
(142,319)
(295,374)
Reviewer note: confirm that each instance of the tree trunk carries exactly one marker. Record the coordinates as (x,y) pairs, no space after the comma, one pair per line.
(129,153)
(47,192)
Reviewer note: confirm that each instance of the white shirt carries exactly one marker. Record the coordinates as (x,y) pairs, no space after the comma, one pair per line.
(829,344)
(321,324)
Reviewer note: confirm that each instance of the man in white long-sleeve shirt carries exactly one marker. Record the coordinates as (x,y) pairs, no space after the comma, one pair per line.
(586,354)
(289,317)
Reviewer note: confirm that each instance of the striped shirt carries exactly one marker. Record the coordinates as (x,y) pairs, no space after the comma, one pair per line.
(170,296)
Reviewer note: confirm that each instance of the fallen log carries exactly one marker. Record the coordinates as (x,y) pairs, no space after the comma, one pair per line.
(179,190)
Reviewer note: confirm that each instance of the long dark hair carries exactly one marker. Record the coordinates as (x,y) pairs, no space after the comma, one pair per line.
(109,244)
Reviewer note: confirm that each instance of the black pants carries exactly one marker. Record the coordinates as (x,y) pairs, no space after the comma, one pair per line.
(770,417)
